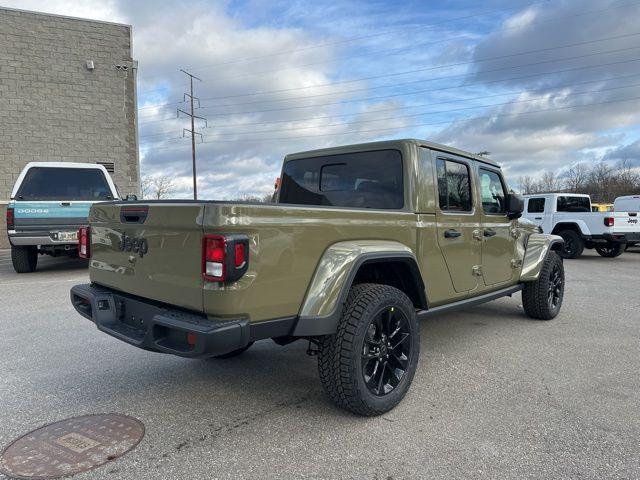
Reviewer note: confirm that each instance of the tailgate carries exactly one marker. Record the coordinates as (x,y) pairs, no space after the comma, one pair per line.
(50,215)
(626,222)
(168,261)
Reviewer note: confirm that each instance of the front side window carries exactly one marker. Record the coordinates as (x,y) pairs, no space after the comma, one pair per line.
(535,205)
(51,183)
(574,204)
(454,186)
(493,192)
(357,180)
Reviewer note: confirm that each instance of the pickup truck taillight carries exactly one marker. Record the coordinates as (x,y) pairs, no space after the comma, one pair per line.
(10,218)
(84,242)
(608,221)
(225,258)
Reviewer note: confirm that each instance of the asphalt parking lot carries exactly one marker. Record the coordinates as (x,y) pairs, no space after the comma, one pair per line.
(496,395)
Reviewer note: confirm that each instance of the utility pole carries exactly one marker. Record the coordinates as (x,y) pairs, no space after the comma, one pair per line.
(193,127)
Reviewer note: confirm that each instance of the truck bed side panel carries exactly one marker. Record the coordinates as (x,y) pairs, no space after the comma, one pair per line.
(286,243)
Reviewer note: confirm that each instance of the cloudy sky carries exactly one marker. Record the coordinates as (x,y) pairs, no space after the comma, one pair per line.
(539,84)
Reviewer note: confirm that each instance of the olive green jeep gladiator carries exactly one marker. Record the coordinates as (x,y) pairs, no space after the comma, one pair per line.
(361,243)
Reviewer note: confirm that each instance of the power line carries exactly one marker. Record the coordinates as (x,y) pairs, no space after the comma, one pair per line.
(395,85)
(436,67)
(431,104)
(398,117)
(545,21)
(387,75)
(496,116)
(415,92)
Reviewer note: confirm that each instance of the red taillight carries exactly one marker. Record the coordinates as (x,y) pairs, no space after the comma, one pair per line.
(84,242)
(608,221)
(10,218)
(224,258)
(240,255)
(213,256)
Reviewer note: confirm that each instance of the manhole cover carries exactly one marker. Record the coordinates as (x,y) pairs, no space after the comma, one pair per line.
(71,446)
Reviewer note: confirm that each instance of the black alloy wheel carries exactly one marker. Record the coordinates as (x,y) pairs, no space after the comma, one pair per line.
(611,250)
(542,299)
(556,286)
(368,365)
(386,351)
(573,244)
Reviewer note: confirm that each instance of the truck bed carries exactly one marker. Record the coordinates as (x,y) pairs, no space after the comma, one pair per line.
(285,245)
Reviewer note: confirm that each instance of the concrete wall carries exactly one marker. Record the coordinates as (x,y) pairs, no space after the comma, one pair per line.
(56,109)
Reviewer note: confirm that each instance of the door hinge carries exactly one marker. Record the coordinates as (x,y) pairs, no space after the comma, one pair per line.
(477,270)
(515,263)
(477,235)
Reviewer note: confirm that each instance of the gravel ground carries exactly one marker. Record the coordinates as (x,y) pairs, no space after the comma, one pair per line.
(496,395)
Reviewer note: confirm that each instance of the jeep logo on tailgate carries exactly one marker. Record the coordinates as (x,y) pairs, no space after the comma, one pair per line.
(132,244)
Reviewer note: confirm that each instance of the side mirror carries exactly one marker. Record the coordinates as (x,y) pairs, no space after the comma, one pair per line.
(131,198)
(515,205)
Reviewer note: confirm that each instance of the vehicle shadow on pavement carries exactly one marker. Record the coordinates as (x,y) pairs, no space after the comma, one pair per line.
(45,264)
(265,378)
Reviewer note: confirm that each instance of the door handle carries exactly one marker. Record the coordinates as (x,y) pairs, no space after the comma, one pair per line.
(451,233)
(489,232)
(538,218)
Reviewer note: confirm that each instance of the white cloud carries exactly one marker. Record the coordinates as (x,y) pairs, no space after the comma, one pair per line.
(572,126)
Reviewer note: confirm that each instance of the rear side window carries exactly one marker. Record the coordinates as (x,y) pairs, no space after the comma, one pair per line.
(454,186)
(357,180)
(50,183)
(493,192)
(574,204)
(535,205)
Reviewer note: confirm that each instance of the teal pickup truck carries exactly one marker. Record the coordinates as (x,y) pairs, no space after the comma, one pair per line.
(48,203)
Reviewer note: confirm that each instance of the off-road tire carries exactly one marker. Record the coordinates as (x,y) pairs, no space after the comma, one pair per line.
(611,251)
(573,244)
(24,259)
(340,355)
(234,353)
(536,295)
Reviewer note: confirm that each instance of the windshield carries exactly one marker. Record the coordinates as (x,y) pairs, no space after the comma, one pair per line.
(359,180)
(50,183)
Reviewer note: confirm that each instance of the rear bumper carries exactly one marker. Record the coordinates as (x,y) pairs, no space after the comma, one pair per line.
(633,237)
(156,327)
(40,237)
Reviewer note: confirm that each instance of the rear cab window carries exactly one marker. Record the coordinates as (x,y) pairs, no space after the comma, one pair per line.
(358,180)
(454,186)
(628,204)
(535,205)
(67,184)
(573,204)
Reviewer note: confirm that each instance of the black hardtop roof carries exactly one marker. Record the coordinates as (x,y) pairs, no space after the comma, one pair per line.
(389,144)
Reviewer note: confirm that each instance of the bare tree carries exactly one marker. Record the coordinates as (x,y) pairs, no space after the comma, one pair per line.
(527,185)
(602,181)
(576,178)
(157,187)
(549,182)
(145,187)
